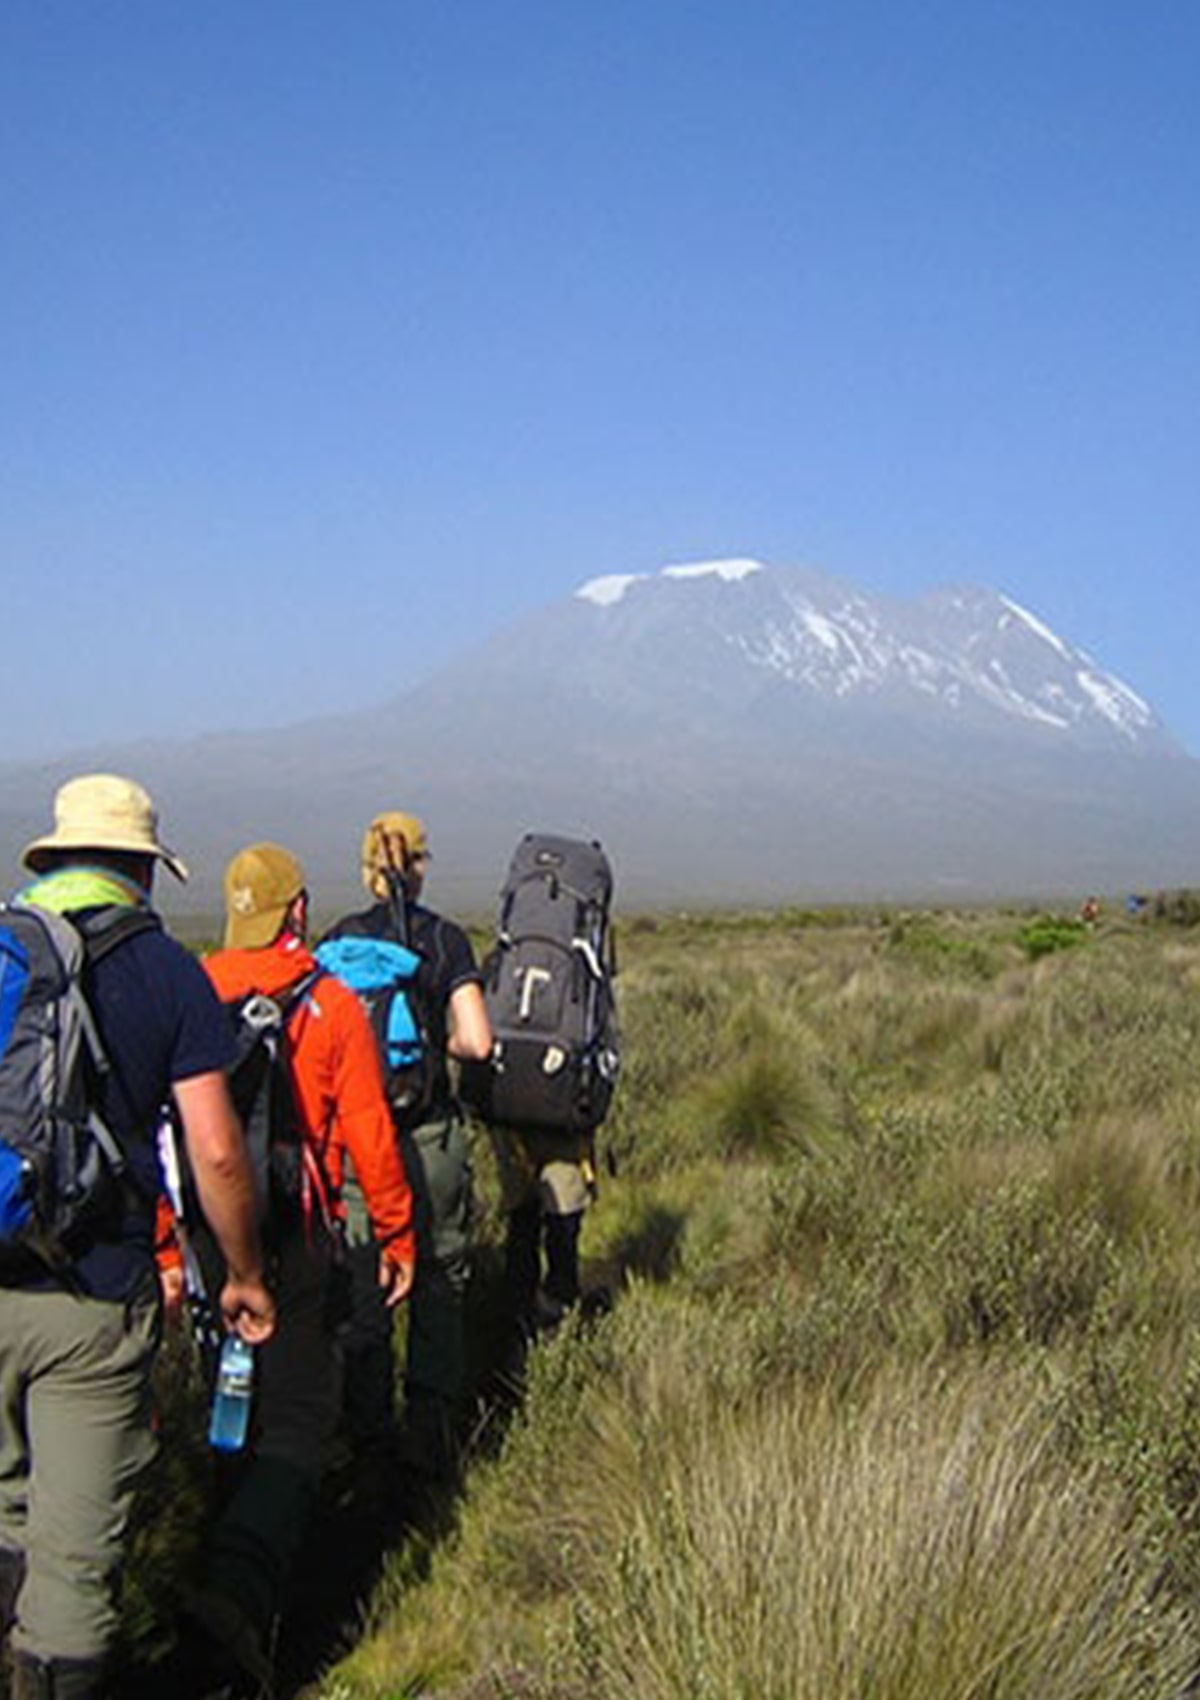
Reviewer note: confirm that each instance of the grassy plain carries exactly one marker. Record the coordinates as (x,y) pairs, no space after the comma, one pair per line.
(898,1396)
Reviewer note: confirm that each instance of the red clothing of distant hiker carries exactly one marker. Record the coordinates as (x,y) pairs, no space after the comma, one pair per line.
(336,1074)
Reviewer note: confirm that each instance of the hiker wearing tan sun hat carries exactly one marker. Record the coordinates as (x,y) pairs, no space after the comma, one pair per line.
(335,1084)
(416,973)
(105,813)
(79,1315)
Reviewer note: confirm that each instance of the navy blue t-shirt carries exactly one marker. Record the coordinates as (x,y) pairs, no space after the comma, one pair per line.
(160,1021)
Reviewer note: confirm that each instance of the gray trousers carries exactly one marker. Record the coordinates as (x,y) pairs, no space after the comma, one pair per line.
(74,1441)
(438,1164)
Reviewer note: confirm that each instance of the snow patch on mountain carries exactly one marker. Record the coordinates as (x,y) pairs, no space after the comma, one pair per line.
(1035,625)
(997,687)
(1110,697)
(962,649)
(610,588)
(731,571)
(607,589)
(1115,700)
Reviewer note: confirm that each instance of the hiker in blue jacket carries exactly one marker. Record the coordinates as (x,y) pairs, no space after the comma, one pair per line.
(443,1013)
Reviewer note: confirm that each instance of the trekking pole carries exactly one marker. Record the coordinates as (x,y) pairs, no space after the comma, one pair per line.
(394,872)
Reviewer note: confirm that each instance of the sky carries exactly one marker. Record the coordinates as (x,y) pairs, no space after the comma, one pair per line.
(335,336)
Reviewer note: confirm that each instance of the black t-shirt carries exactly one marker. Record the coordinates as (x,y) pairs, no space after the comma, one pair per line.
(447,962)
(159,1021)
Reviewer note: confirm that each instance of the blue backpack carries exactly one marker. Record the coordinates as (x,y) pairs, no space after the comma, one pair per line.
(62,1170)
(384,974)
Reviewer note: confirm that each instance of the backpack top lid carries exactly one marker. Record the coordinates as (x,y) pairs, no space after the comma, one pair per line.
(44,1021)
(578,864)
(366,963)
(384,974)
(43,957)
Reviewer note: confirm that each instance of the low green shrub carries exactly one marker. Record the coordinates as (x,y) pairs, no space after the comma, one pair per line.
(1050,933)
(938,947)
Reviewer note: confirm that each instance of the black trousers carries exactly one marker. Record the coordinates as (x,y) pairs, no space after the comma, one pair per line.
(270,1488)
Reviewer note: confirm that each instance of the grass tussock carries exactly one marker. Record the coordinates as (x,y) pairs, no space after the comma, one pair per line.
(666,1526)
(916,1539)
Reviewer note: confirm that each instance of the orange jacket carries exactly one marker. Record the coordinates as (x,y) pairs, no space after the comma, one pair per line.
(337,1081)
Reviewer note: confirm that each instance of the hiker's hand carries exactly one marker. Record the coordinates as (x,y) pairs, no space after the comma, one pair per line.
(249,1310)
(170,1285)
(395,1279)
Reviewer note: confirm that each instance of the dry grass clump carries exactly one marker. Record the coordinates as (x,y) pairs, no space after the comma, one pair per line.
(919,1536)
(917,1541)
(769,1097)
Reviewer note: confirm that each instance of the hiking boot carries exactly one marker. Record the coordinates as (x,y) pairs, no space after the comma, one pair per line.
(597,1302)
(57,1679)
(561,1286)
(548,1314)
(228,1646)
(377,1487)
(428,1446)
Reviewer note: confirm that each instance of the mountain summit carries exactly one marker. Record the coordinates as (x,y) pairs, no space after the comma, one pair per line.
(959,654)
(731,731)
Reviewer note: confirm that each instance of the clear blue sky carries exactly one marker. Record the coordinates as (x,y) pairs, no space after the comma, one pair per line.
(334,335)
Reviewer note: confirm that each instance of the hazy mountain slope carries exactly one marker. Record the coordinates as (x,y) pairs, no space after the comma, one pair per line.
(729,731)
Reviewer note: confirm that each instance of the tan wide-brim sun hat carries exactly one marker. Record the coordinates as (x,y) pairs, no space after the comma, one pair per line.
(102,811)
(384,830)
(261,883)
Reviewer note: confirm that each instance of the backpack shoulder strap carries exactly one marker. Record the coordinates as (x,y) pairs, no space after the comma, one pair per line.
(102,930)
(291,997)
(269,1012)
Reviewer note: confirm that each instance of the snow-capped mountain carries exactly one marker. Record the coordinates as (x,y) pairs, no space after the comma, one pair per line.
(729,730)
(966,655)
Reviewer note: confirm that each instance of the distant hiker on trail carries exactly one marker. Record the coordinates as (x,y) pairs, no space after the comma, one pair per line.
(79,1303)
(417,974)
(547,1086)
(336,1096)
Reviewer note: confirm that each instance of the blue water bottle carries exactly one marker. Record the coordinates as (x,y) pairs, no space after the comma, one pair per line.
(230,1419)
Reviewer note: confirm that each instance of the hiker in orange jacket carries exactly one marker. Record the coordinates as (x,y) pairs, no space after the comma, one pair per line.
(338,1089)
(338,1084)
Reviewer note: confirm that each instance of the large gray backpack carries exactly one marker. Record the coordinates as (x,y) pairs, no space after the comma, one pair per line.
(548,989)
(63,1173)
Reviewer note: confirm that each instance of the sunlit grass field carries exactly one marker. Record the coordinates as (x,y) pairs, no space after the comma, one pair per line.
(898,1399)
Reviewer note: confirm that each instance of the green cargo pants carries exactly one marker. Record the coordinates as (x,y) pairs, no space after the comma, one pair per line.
(437,1162)
(74,1440)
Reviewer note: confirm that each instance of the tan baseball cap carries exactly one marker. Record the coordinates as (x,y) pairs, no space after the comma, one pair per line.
(103,811)
(260,883)
(388,833)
